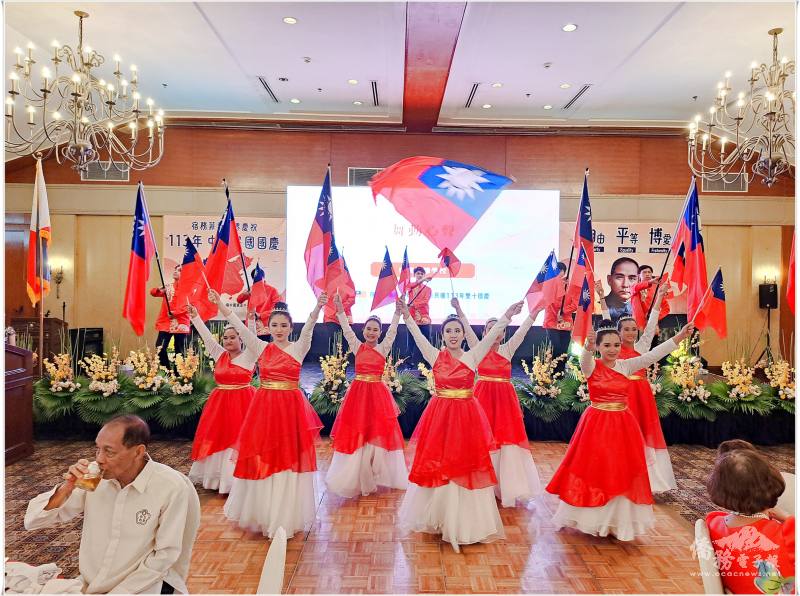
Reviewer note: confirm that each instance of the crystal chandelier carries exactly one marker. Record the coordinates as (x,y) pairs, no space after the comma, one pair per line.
(755,130)
(79,117)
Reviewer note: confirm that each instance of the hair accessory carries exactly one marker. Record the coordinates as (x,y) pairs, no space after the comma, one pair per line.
(374,318)
(451,317)
(607,328)
(625,318)
(280,307)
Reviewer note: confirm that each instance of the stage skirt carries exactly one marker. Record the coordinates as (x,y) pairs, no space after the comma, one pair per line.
(221,420)
(642,405)
(659,469)
(284,499)
(361,472)
(517,477)
(278,434)
(368,415)
(460,515)
(503,411)
(215,472)
(619,517)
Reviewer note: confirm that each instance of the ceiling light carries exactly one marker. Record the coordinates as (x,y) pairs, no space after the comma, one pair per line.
(290,20)
(352,81)
(565,85)
(569,27)
(357,103)
(294,100)
(497,85)
(486,106)
(548,107)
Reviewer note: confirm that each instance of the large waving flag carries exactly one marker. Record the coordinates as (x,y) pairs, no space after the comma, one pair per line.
(318,245)
(38,279)
(405,274)
(143,247)
(226,253)
(682,237)
(679,267)
(790,281)
(583,248)
(262,297)
(695,275)
(450,260)
(581,271)
(337,276)
(191,285)
(443,199)
(712,312)
(544,289)
(583,316)
(386,288)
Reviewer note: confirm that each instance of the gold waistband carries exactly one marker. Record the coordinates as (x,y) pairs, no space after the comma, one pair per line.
(232,387)
(634,378)
(454,393)
(281,385)
(369,378)
(612,406)
(494,379)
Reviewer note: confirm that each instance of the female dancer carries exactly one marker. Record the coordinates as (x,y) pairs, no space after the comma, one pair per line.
(450,489)
(602,482)
(367,440)
(642,402)
(511,455)
(213,456)
(273,482)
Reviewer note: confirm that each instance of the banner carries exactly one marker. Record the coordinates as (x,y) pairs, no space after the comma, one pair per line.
(645,243)
(263,241)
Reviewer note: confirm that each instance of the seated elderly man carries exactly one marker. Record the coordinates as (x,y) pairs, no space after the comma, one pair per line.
(139,524)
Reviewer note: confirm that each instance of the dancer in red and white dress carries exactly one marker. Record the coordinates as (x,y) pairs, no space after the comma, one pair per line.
(602,482)
(642,402)
(213,455)
(366,437)
(451,483)
(517,477)
(273,483)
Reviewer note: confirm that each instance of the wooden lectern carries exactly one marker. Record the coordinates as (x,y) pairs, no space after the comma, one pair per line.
(19,403)
(55,331)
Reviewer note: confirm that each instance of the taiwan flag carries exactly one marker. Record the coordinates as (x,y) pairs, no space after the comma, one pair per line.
(143,247)
(449,260)
(386,288)
(226,253)
(712,312)
(405,274)
(581,270)
(320,240)
(695,276)
(583,228)
(38,278)
(337,276)
(443,199)
(583,316)
(544,289)
(262,297)
(191,285)
(679,267)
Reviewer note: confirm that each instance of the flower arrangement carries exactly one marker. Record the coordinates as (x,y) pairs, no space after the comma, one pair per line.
(427,374)
(102,372)
(186,365)
(391,376)
(542,375)
(780,375)
(654,378)
(334,377)
(582,392)
(684,374)
(146,368)
(60,373)
(739,377)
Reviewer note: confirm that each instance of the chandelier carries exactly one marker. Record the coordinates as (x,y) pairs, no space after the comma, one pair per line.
(78,117)
(754,129)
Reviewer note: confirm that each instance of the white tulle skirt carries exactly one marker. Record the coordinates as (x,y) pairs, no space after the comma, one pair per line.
(659,469)
(620,517)
(460,515)
(517,477)
(285,499)
(361,472)
(215,471)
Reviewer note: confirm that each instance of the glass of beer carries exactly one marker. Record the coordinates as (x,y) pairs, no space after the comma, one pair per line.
(91,479)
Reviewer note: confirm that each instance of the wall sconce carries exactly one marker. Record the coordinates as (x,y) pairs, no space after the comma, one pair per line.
(58,278)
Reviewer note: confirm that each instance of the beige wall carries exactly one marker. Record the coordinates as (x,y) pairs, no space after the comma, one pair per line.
(92,233)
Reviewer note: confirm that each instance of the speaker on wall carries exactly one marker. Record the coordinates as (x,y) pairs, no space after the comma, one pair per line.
(86,341)
(768,295)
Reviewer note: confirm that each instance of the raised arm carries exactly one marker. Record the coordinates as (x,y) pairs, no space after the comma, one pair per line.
(469,333)
(212,345)
(253,345)
(388,340)
(587,354)
(511,346)
(425,347)
(646,340)
(347,330)
(598,286)
(300,348)
(485,345)
(629,366)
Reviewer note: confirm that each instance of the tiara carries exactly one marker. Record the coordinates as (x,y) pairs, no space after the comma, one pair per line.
(452,317)
(625,318)
(374,318)
(607,328)
(280,307)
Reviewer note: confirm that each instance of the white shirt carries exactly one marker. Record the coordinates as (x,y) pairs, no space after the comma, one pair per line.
(215,350)
(382,348)
(471,357)
(133,538)
(507,349)
(254,346)
(628,366)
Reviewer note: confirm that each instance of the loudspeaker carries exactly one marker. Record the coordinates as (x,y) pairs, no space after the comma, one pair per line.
(86,341)
(768,295)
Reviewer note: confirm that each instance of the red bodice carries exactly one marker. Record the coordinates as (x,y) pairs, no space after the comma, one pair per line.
(227,373)
(495,365)
(450,373)
(369,361)
(607,385)
(276,365)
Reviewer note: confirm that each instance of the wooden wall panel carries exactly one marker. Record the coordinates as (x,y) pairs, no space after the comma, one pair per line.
(16,255)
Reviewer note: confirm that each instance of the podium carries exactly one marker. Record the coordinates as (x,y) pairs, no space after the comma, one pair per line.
(19,403)
(54,331)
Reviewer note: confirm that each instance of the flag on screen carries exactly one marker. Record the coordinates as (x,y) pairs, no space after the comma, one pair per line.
(143,247)
(38,278)
(443,199)
(386,288)
(544,289)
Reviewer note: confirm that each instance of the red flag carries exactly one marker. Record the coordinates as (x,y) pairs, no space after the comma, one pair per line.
(712,312)
(679,267)
(790,281)
(544,288)
(386,288)
(191,285)
(262,297)
(696,277)
(320,240)
(449,260)
(404,283)
(38,280)
(225,253)
(581,270)
(583,315)
(143,247)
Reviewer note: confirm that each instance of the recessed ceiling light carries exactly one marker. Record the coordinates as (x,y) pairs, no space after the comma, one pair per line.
(357,103)
(569,27)
(497,85)
(290,20)
(565,85)
(352,81)
(548,107)
(294,100)
(486,106)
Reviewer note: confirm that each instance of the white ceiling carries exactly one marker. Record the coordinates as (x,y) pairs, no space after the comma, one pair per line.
(645,61)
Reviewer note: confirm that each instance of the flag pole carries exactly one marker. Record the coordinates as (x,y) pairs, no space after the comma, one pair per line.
(241,252)
(155,251)
(572,249)
(41,269)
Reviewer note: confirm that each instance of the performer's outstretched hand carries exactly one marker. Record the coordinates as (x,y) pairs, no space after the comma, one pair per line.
(322,300)
(598,287)
(662,290)
(213,296)
(684,333)
(401,306)
(454,303)
(591,339)
(337,300)
(191,310)
(514,310)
